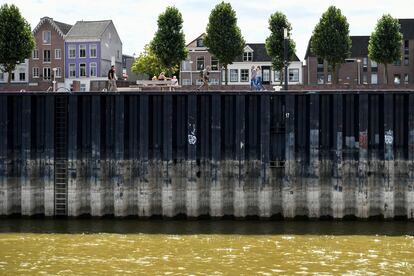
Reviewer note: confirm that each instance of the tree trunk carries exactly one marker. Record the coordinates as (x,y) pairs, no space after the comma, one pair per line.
(334,74)
(281,76)
(386,73)
(225,75)
(9,76)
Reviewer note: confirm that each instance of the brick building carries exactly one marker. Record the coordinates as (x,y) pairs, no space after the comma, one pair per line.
(49,53)
(359,69)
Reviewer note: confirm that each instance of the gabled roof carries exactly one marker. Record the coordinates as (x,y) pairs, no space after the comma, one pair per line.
(194,40)
(61,28)
(359,47)
(88,29)
(260,53)
(360,43)
(407,28)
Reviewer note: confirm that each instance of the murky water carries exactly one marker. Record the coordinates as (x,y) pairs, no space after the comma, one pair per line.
(205,248)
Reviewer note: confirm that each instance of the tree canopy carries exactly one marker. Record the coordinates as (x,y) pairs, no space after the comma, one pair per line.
(224,38)
(385,42)
(330,39)
(16,39)
(275,42)
(168,43)
(148,63)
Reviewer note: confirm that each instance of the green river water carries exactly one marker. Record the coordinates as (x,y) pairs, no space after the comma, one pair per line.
(121,247)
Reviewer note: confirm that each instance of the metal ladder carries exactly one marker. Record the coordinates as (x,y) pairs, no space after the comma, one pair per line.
(61,156)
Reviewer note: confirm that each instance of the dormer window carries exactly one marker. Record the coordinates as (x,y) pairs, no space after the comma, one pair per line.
(200,42)
(247,56)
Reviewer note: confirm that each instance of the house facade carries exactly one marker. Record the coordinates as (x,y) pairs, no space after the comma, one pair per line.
(254,55)
(239,72)
(19,75)
(358,69)
(48,54)
(91,47)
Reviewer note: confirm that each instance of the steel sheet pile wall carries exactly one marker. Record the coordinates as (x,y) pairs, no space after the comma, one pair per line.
(242,154)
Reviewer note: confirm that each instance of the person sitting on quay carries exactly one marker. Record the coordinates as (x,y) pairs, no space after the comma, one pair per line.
(162,77)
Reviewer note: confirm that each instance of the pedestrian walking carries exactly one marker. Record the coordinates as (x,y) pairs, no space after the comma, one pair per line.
(205,78)
(253,78)
(259,85)
(112,80)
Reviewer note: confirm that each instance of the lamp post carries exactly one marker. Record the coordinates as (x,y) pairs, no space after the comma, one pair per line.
(54,79)
(191,72)
(359,71)
(285,54)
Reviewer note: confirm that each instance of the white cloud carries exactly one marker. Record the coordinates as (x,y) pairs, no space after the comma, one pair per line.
(136,20)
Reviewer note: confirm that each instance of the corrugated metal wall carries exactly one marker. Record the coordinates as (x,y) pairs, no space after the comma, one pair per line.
(243,154)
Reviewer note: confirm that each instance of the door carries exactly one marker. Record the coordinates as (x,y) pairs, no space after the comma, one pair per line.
(266,74)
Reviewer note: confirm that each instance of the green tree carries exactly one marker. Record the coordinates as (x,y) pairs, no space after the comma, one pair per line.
(224,38)
(148,63)
(16,39)
(275,42)
(169,41)
(330,39)
(385,42)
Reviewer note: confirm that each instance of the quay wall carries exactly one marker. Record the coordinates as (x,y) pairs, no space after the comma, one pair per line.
(280,154)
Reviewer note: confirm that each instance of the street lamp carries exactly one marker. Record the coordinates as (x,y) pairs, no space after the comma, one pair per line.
(285,54)
(191,72)
(359,71)
(54,79)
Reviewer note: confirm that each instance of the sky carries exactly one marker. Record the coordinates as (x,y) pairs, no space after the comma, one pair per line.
(136,20)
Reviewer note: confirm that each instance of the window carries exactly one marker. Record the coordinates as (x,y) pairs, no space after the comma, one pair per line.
(321,77)
(47,37)
(406,44)
(1,76)
(293,75)
(374,78)
(200,63)
(186,82)
(12,78)
(320,65)
(58,54)
(214,64)
(46,55)
(405,78)
(82,51)
(186,65)
(247,56)
(277,76)
(72,51)
(234,75)
(72,71)
(22,76)
(35,54)
(374,67)
(82,70)
(83,87)
(244,75)
(199,82)
(93,69)
(46,73)
(406,60)
(214,82)
(364,79)
(35,72)
(397,62)
(200,42)
(92,51)
(397,79)
(329,79)
(58,72)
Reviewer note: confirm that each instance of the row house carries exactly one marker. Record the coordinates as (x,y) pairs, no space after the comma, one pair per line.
(239,72)
(47,62)
(19,75)
(91,47)
(358,69)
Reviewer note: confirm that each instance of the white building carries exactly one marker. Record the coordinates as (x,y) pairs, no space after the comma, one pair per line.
(239,72)
(19,75)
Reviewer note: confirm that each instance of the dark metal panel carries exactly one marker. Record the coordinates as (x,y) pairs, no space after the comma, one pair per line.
(119,128)
(4,200)
(143,128)
(216,127)
(167,128)
(133,127)
(193,136)
(265,137)
(388,127)
(239,128)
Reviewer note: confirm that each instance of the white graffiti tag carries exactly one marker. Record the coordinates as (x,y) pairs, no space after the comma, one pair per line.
(192,139)
(388,137)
